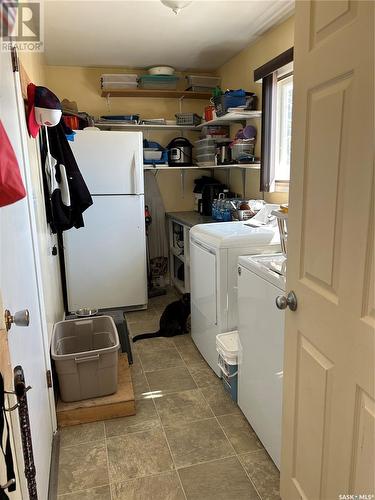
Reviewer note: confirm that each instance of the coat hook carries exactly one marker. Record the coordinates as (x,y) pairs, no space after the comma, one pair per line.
(14,393)
(12,408)
(8,484)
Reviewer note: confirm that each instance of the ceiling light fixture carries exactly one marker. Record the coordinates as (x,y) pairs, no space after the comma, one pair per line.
(175,5)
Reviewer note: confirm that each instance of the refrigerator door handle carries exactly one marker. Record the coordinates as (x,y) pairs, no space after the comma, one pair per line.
(136,175)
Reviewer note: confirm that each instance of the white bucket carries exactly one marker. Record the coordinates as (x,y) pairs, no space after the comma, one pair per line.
(227,345)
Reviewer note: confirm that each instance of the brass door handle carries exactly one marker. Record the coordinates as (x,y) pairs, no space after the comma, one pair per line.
(20,318)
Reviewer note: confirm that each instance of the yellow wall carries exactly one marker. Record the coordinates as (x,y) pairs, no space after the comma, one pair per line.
(34,65)
(238,73)
(83,86)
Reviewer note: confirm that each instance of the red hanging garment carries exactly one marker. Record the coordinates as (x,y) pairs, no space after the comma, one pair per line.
(11,185)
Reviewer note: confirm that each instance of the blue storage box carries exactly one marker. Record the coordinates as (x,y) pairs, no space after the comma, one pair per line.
(231,99)
(164,157)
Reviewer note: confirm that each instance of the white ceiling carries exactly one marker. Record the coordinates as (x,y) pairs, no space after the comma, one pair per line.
(140,33)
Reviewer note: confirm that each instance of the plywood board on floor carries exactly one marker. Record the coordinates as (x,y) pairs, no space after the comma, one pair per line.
(120,404)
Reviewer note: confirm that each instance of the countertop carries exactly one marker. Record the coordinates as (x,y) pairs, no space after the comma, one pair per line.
(190,219)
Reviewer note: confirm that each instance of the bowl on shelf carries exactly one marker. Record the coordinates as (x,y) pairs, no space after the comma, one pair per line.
(161,70)
(86,312)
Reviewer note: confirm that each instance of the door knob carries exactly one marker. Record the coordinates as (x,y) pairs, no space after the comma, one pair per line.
(20,318)
(290,301)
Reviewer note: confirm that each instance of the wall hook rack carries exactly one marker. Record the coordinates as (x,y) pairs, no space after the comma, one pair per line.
(14,393)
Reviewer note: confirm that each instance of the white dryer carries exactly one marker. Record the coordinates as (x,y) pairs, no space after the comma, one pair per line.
(214,252)
(261,334)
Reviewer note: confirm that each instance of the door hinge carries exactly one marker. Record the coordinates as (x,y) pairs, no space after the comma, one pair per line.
(14,54)
(49,378)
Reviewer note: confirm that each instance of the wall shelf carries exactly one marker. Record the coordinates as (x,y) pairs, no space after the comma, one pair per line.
(163,94)
(255,166)
(227,168)
(223,120)
(137,126)
(231,118)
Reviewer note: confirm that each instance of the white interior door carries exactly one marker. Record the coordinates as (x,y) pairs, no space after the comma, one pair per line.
(19,287)
(106,260)
(329,404)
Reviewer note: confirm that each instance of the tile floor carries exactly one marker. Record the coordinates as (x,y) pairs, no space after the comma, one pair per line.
(188,439)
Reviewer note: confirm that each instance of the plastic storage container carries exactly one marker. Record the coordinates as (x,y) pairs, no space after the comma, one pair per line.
(152,154)
(155,147)
(227,346)
(242,149)
(215,131)
(158,82)
(207,159)
(190,119)
(119,77)
(206,150)
(85,352)
(206,142)
(119,85)
(119,81)
(205,147)
(203,81)
(231,99)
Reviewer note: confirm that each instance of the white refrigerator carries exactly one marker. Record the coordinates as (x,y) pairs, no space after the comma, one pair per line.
(106,260)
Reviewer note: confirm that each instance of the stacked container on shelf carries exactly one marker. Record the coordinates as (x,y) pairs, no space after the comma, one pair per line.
(205,151)
(158,82)
(118,81)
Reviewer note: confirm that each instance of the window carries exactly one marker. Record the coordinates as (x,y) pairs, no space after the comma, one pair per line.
(283,127)
(276,77)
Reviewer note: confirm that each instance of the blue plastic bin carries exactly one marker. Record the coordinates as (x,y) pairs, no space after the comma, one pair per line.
(164,158)
(231,99)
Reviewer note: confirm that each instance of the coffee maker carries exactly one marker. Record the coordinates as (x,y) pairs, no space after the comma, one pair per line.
(210,192)
(206,190)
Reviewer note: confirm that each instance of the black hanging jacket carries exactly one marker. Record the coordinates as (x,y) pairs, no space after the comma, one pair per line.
(65,204)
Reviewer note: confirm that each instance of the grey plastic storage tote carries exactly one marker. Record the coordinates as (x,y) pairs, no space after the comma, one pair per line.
(86,356)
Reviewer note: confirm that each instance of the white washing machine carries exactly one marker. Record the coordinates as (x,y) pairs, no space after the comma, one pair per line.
(214,252)
(261,279)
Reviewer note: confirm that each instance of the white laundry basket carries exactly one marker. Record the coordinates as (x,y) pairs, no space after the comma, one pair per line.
(227,346)
(85,352)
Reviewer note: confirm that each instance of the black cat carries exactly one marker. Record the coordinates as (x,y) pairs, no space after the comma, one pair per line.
(173,321)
